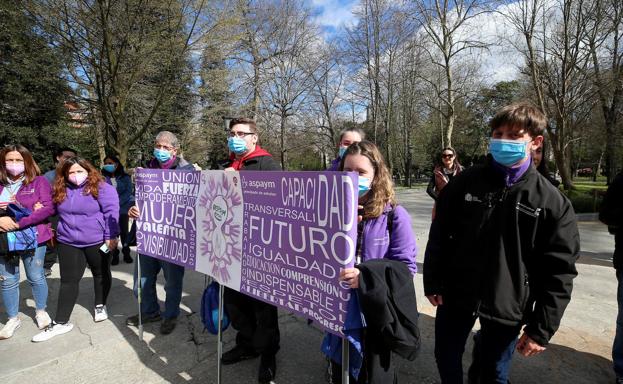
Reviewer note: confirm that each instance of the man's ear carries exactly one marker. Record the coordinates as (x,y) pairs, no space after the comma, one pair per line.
(537,142)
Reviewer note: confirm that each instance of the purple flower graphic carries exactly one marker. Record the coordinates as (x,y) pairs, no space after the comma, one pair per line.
(221,238)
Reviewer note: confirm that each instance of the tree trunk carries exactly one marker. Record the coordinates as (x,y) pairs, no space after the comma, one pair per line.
(450,113)
(282,142)
(256,90)
(559,156)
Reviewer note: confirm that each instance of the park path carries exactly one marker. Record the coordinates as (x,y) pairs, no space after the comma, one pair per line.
(110,352)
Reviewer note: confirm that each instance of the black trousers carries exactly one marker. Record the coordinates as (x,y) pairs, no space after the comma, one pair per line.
(50,252)
(73,262)
(257,322)
(124,227)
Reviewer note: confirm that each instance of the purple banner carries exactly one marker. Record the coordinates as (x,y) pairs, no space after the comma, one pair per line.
(166,228)
(281,237)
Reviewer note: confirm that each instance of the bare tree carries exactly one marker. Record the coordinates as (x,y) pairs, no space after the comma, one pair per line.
(124,57)
(557,63)
(327,94)
(289,75)
(447,24)
(604,38)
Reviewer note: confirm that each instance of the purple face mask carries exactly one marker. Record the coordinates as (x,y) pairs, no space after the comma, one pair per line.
(15,169)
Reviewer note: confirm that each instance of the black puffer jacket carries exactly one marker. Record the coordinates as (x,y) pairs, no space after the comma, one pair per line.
(507,253)
(611,214)
(388,302)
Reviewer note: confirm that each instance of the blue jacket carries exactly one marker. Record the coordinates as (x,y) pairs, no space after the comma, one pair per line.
(125,190)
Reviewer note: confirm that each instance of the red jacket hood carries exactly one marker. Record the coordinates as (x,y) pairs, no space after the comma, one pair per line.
(237,163)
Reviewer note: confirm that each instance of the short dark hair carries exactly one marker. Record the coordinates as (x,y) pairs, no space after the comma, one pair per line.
(59,152)
(119,170)
(523,114)
(244,120)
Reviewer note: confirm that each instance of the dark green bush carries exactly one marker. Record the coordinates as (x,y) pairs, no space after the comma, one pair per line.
(585,201)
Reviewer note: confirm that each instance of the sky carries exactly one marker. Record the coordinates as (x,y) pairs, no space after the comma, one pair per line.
(499,63)
(333,14)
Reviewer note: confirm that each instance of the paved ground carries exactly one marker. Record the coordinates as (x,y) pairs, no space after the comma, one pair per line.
(110,352)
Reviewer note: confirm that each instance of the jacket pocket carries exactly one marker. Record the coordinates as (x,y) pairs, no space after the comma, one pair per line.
(528,220)
(525,292)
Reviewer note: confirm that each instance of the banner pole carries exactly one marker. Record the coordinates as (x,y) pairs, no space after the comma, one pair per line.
(345,361)
(139,296)
(219,345)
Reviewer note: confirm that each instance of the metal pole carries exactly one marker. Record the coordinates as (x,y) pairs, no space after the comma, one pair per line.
(219,345)
(345,361)
(140,295)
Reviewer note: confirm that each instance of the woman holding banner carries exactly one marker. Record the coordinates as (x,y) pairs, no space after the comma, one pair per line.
(384,232)
(20,185)
(88,210)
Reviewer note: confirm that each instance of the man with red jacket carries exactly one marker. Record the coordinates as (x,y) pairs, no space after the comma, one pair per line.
(256,322)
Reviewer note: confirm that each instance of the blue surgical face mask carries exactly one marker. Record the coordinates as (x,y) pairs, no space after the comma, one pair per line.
(162,155)
(342,151)
(110,168)
(364,185)
(508,152)
(237,145)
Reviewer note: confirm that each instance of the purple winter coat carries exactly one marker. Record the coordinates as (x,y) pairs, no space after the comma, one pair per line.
(38,190)
(84,221)
(399,246)
(335,164)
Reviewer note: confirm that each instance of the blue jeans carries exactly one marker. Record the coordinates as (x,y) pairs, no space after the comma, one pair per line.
(617,346)
(496,346)
(33,263)
(174,278)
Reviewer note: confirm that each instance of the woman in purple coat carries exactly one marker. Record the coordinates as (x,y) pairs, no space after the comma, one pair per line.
(88,226)
(21,185)
(384,232)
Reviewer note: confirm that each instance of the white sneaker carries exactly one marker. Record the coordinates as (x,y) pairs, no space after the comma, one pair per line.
(52,330)
(43,319)
(100,313)
(10,327)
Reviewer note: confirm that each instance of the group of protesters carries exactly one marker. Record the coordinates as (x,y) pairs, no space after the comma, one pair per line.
(502,250)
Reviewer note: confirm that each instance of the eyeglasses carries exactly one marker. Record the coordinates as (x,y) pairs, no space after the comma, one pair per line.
(240,134)
(447,156)
(165,147)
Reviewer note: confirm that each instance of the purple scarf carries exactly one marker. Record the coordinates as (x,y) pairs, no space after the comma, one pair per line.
(513,174)
(154,163)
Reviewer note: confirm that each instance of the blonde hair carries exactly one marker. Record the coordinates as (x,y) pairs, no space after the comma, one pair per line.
(382,188)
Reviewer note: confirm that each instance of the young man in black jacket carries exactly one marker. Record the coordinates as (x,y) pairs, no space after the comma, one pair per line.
(611,214)
(256,321)
(502,248)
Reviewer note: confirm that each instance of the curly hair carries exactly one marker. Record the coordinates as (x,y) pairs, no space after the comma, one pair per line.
(94,178)
(31,169)
(382,187)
